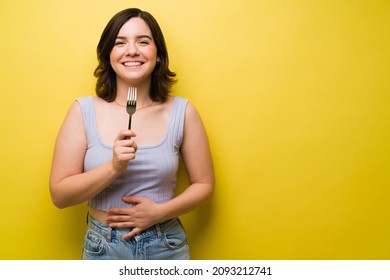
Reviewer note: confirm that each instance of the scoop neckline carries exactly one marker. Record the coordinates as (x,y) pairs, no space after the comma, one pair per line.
(152,146)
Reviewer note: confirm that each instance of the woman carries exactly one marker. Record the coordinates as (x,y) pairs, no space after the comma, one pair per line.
(128,176)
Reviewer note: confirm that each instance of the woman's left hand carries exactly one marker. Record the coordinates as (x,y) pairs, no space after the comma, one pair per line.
(143,214)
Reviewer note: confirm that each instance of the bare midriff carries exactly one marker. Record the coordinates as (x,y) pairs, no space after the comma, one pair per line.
(98,215)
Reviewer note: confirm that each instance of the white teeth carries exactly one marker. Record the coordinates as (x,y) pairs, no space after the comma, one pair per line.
(132,63)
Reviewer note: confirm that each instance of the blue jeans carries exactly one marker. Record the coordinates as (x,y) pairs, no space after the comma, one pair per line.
(165,241)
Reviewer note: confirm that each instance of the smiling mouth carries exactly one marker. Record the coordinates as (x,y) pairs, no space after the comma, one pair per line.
(132,63)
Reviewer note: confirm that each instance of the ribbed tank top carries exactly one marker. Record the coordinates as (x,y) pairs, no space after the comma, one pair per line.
(152,174)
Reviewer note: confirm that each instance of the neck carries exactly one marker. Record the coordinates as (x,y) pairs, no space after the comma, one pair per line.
(122,86)
(143,97)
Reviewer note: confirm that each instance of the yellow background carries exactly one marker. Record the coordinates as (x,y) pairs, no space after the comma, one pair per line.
(295,96)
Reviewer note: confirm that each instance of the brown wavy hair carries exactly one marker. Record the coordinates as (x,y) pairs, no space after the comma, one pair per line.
(162,78)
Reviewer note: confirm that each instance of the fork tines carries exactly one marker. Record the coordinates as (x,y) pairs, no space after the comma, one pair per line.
(132,96)
(131,102)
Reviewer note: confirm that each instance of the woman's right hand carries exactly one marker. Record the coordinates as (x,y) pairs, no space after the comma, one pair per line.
(124,150)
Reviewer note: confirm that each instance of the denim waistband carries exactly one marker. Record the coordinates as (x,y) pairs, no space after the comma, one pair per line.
(109,233)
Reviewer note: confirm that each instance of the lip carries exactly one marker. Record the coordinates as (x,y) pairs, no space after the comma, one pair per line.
(132,63)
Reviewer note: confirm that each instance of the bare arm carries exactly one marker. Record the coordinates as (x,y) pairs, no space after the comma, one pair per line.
(69,185)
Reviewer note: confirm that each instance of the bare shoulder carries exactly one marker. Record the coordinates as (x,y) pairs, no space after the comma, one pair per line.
(75,109)
(192,114)
(169,101)
(99,102)
(75,112)
(73,124)
(193,125)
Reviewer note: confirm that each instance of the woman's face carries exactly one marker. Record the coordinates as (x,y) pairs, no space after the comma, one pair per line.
(134,54)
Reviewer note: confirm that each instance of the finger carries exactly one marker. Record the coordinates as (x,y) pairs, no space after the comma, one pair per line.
(125,150)
(135,146)
(121,225)
(118,211)
(117,218)
(126,143)
(132,233)
(124,134)
(124,155)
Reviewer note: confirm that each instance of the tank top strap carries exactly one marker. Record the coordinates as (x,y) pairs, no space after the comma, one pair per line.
(89,118)
(177,122)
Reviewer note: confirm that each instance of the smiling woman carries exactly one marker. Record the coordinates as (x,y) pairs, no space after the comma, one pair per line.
(134,55)
(117,32)
(128,177)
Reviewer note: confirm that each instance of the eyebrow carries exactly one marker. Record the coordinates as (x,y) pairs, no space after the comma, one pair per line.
(138,37)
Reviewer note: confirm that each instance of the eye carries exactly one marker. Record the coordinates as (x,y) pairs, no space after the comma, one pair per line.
(117,43)
(144,42)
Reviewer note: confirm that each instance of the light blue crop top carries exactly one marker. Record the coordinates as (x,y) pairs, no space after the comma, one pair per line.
(152,174)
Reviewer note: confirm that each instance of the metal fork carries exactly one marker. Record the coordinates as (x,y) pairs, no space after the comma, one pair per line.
(131,102)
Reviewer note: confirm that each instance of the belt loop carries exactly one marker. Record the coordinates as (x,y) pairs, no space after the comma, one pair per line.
(109,234)
(158,230)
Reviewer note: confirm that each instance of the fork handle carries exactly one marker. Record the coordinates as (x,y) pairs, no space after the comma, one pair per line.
(130,123)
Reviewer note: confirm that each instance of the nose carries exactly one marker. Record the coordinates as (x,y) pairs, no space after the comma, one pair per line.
(131,49)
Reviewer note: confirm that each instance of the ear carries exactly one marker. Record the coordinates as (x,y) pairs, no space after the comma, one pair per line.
(158,60)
